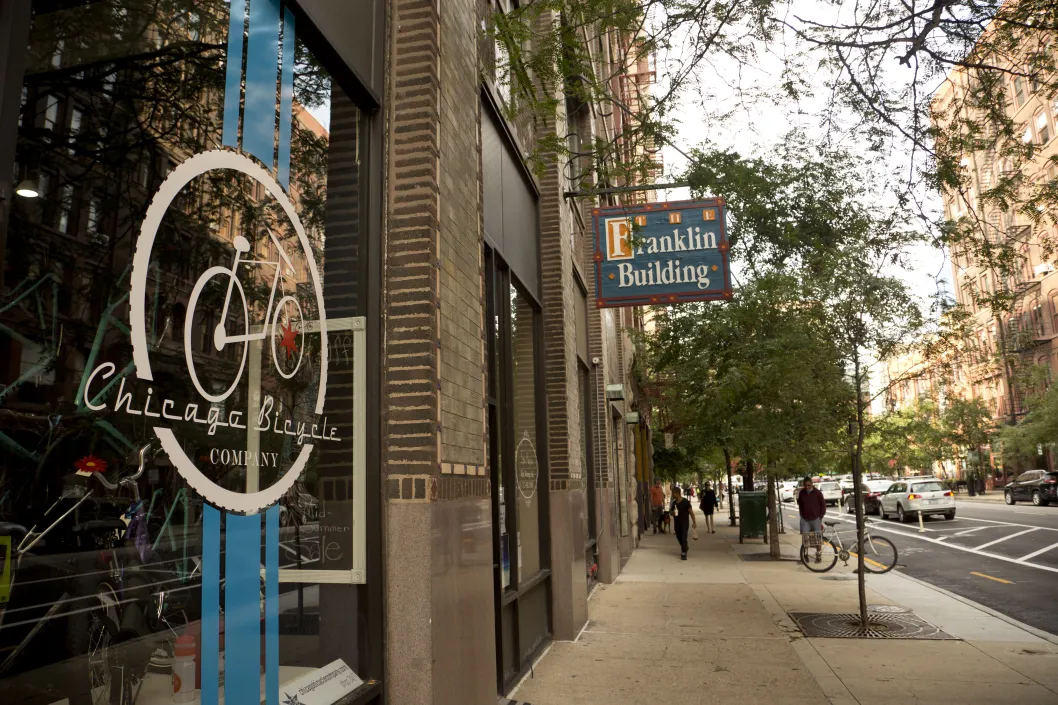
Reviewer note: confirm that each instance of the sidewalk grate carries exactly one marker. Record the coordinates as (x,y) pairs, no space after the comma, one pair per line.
(505,701)
(883,626)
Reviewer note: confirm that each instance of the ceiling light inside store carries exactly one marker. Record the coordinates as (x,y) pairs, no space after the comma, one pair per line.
(27,189)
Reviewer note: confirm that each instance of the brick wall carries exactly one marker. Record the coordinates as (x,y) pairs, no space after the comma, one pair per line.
(462,264)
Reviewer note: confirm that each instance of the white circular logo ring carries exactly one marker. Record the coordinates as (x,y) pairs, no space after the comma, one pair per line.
(240,502)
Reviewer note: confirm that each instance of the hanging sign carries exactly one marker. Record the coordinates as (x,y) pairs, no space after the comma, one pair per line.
(661,253)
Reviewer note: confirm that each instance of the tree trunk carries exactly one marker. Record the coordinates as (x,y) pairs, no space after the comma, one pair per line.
(730,489)
(857,475)
(747,476)
(773,519)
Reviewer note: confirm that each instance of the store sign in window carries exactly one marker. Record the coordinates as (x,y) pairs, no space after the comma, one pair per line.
(181,359)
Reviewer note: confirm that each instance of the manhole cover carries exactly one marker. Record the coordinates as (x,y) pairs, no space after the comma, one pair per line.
(763,557)
(882,626)
(888,609)
(838,576)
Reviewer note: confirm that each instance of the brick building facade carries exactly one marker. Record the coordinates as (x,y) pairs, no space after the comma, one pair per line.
(451,634)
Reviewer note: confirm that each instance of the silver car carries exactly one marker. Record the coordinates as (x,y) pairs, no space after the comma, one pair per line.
(908,499)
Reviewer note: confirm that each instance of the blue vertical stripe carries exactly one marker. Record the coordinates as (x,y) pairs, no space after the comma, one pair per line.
(233,75)
(262,75)
(242,610)
(286,98)
(272,606)
(210,605)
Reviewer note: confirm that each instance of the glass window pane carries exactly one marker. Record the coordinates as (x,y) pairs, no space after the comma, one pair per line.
(526,459)
(213,335)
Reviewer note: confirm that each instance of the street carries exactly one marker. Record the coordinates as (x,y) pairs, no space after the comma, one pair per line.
(1002,557)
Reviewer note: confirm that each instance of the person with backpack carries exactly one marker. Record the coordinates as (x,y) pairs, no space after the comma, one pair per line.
(683,514)
(707,505)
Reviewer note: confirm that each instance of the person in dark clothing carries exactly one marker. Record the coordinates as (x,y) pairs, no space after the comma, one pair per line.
(707,505)
(683,514)
(813,507)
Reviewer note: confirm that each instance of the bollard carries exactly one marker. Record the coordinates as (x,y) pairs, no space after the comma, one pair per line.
(921,524)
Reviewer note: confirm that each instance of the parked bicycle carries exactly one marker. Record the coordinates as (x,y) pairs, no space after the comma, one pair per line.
(820,552)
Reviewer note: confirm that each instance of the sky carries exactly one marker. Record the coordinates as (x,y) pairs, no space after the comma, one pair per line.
(756,125)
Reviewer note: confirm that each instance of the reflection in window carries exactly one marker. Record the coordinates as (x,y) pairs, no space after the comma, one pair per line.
(526,459)
(118,93)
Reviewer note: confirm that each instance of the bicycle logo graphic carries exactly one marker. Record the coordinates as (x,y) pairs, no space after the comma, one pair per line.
(272,326)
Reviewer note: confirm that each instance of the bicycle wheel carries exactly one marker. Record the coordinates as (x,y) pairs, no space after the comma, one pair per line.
(879,554)
(191,322)
(828,556)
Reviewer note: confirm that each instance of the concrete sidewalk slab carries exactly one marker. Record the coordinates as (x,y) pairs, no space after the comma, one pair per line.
(715,629)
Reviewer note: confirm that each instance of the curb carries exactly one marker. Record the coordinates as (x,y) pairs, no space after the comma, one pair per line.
(1046,636)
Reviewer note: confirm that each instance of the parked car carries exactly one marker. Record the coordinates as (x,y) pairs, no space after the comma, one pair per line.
(846,483)
(831,492)
(872,494)
(788,491)
(1037,486)
(910,498)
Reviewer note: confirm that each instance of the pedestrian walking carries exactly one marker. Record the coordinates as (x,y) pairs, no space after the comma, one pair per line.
(720,495)
(657,505)
(707,505)
(812,506)
(683,515)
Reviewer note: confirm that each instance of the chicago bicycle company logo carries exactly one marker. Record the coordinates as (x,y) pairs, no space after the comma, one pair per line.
(237,329)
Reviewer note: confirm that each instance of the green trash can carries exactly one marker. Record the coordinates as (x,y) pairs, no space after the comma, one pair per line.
(753,515)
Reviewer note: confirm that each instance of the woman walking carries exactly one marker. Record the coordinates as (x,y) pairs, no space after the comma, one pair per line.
(709,503)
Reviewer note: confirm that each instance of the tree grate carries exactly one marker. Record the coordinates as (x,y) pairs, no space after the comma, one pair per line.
(883,625)
(765,557)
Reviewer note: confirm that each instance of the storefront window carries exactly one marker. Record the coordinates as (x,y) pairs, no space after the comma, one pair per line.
(527,466)
(519,484)
(178,319)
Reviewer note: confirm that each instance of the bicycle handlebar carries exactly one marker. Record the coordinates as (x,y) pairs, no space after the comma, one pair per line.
(131,479)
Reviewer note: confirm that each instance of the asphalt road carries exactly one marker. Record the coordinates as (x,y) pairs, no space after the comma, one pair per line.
(1003,557)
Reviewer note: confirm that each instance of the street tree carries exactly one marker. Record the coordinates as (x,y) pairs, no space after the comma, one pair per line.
(761,366)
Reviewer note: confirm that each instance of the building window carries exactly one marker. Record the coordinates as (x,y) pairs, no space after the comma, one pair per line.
(518,471)
(1043,132)
(1019,91)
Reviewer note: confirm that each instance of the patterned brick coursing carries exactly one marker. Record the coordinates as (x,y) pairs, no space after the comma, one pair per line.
(560,324)
(411,398)
(462,368)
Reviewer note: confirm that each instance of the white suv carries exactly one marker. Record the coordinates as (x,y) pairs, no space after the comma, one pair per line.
(831,492)
(908,499)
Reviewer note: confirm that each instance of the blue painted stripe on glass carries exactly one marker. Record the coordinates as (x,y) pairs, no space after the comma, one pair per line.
(262,75)
(210,605)
(233,74)
(242,610)
(272,606)
(286,98)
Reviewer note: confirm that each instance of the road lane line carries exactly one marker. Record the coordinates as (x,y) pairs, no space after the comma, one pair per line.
(957,547)
(1005,538)
(1036,553)
(998,580)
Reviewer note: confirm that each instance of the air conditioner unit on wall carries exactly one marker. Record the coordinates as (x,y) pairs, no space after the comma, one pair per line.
(1042,270)
(615,392)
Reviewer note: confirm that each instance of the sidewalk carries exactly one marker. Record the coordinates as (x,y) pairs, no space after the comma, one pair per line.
(715,629)
(990,496)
